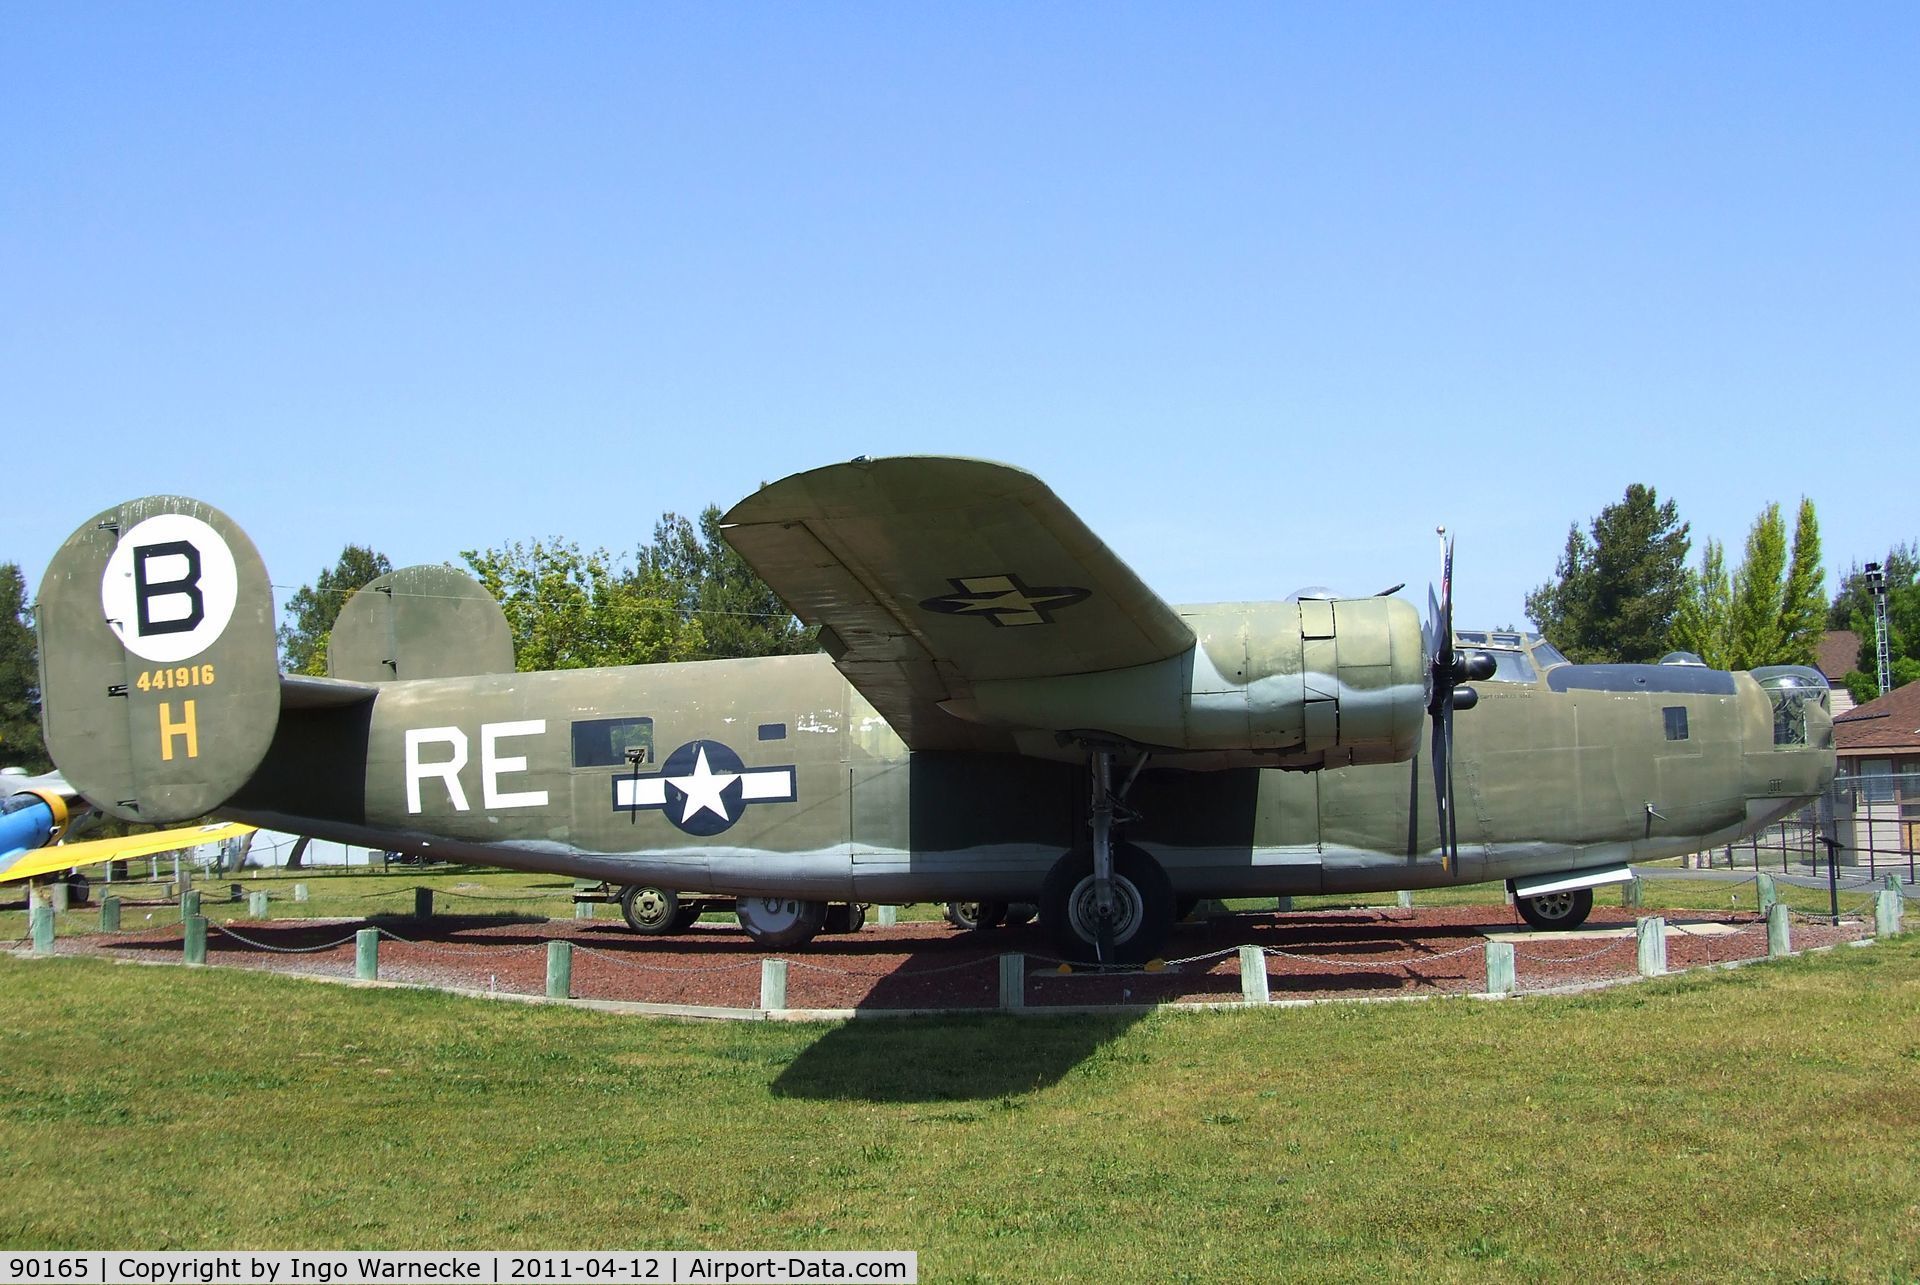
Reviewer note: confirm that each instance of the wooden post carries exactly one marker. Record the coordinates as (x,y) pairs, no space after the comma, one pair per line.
(1253,975)
(559,970)
(190,903)
(1500,979)
(1632,894)
(1282,905)
(1886,913)
(41,920)
(773,985)
(1013,982)
(887,915)
(193,944)
(1893,881)
(109,914)
(1404,899)
(61,895)
(1768,894)
(299,892)
(423,903)
(1652,936)
(583,909)
(257,905)
(366,954)
(1779,935)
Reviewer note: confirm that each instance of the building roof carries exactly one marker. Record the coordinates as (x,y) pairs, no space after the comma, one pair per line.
(1837,653)
(1860,731)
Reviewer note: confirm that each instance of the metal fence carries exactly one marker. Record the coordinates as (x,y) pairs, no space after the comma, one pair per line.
(1867,824)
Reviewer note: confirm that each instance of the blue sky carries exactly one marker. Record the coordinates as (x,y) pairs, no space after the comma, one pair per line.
(1265,292)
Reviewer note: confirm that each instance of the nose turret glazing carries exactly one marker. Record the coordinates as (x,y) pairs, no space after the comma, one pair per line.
(1796,761)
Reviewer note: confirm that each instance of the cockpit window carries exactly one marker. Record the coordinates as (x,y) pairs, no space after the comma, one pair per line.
(1510,666)
(1546,654)
(1509,651)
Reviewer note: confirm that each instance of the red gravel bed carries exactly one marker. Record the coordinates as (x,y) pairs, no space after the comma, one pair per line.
(1310,955)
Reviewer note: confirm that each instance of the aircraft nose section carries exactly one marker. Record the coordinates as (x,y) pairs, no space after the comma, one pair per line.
(1789,737)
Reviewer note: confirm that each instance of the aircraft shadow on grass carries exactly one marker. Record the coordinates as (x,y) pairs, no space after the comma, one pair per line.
(971,1058)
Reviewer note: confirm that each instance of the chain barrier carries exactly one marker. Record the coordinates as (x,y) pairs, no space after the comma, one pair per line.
(656,968)
(1609,948)
(1404,962)
(436,949)
(1080,968)
(276,950)
(481,896)
(1212,954)
(900,974)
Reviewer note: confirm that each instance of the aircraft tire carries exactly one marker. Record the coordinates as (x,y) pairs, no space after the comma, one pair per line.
(1145,896)
(79,889)
(1557,911)
(1183,909)
(976,916)
(649,910)
(1021,913)
(688,916)
(779,922)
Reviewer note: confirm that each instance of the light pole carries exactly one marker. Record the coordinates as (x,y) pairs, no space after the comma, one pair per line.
(1877,588)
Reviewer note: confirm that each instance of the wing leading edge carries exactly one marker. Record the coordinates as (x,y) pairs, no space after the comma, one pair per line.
(928,574)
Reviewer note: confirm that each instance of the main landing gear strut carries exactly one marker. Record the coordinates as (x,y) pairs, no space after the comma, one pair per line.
(1108,901)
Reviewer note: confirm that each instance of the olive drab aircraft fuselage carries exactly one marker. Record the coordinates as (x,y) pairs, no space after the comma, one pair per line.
(1001,712)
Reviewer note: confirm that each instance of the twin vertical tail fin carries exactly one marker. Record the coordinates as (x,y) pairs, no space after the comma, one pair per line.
(159,669)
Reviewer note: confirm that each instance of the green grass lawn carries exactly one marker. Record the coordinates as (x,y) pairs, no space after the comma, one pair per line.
(1726,1124)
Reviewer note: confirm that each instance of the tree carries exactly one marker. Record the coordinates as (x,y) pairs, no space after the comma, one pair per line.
(1703,624)
(1614,595)
(1853,608)
(1770,611)
(313,608)
(711,583)
(20,742)
(572,610)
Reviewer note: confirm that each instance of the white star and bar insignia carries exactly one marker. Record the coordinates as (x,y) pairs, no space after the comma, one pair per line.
(703,788)
(1005,599)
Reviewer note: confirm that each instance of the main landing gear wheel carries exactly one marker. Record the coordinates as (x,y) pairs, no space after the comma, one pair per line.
(976,916)
(779,922)
(650,911)
(1020,913)
(844,917)
(687,916)
(79,889)
(1142,907)
(1556,911)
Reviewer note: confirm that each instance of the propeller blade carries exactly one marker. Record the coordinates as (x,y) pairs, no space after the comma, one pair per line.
(1441,677)
(1450,859)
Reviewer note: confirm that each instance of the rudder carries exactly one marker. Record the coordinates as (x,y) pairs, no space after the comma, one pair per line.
(159,670)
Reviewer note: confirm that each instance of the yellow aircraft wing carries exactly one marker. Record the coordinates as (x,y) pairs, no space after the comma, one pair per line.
(928,574)
(65,856)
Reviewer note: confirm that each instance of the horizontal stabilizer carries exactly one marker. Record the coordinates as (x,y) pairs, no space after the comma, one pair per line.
(65,856)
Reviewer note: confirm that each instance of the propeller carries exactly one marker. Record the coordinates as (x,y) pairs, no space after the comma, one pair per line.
(1447,669)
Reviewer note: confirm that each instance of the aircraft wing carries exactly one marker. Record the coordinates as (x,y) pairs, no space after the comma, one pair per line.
(928,574)
(65,856)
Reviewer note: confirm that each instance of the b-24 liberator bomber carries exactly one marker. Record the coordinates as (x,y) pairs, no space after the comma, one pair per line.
(1001,712)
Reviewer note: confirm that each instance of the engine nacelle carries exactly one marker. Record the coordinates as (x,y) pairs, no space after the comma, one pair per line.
(1307,684)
